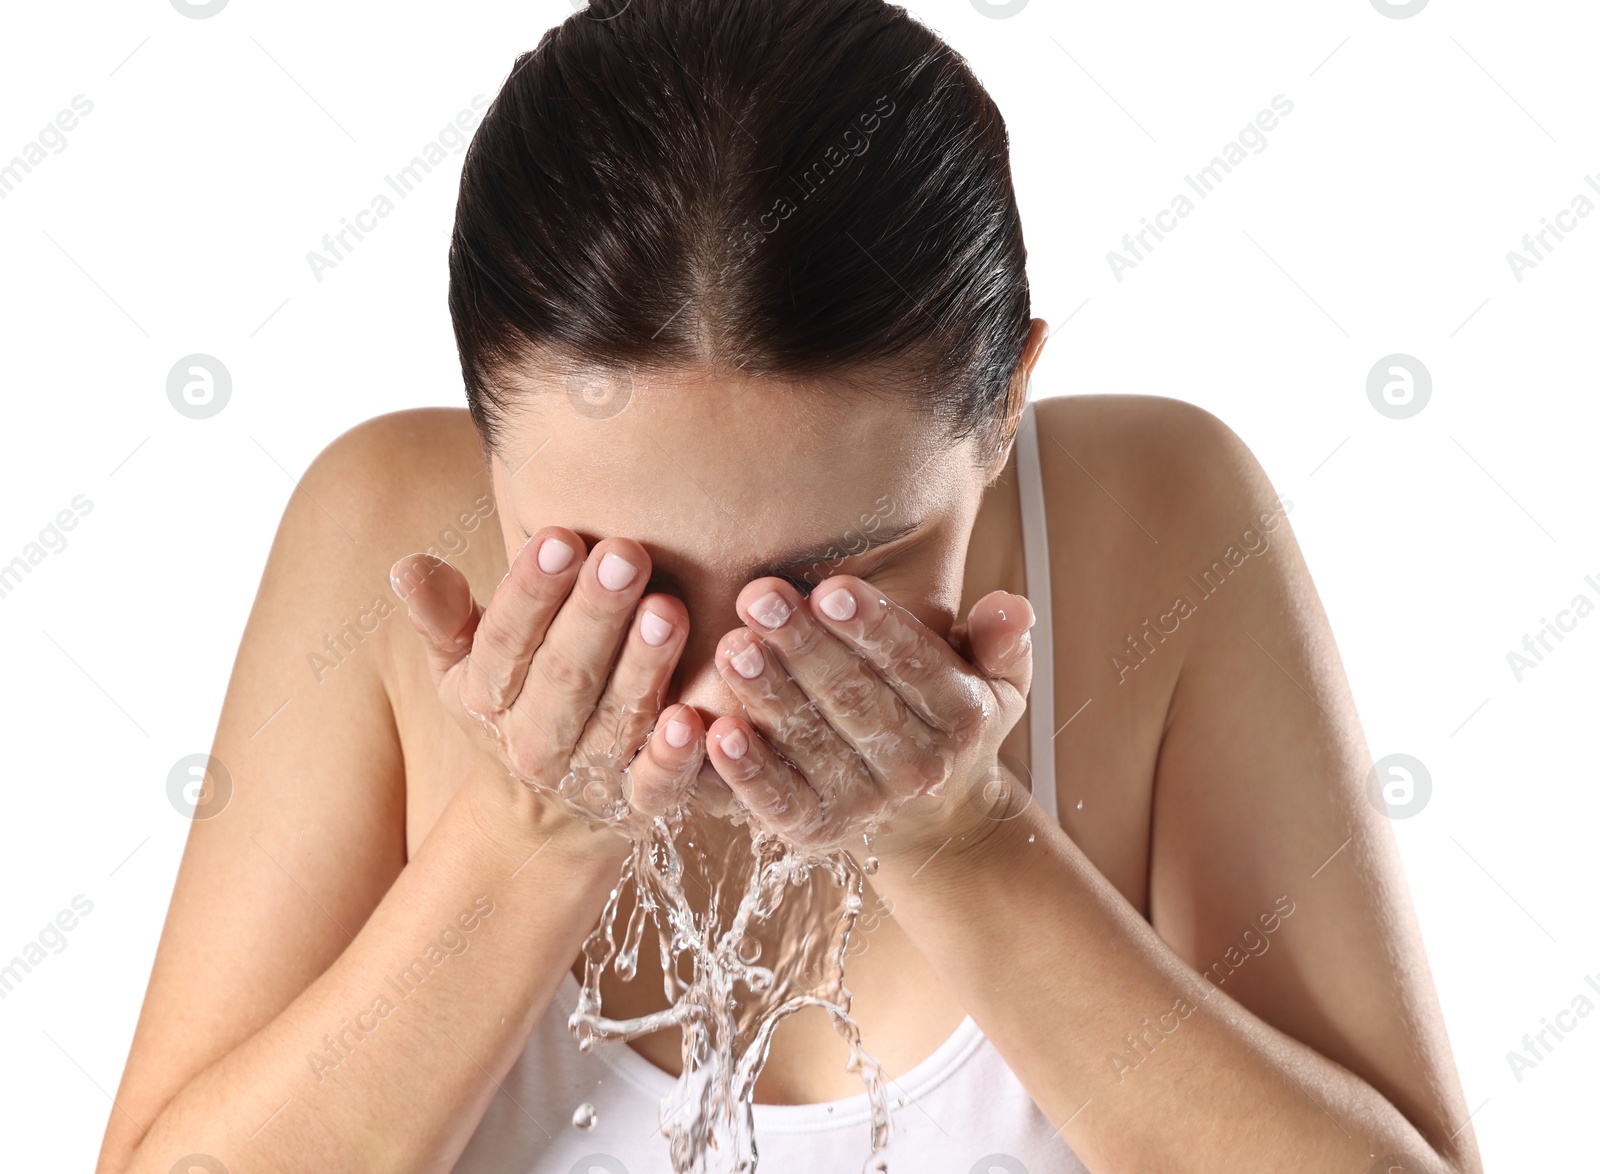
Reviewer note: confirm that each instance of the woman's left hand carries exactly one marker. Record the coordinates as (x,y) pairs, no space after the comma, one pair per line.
(857,714)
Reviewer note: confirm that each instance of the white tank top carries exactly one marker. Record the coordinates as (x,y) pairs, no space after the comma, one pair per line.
(960,1111)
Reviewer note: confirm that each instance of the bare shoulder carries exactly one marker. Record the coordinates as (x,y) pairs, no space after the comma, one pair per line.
(1155,495)
(407,481)
(390,486)
(1151,502)
(1174,470)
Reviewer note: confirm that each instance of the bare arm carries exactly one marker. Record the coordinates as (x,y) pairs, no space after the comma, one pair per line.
(317,1001)
(1325,1050)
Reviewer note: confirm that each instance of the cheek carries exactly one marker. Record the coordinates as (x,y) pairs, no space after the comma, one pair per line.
(931,591)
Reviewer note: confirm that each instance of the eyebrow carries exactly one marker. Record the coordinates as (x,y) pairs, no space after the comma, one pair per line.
(846,546)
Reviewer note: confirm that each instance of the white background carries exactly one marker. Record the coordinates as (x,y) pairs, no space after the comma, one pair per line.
(1377,220)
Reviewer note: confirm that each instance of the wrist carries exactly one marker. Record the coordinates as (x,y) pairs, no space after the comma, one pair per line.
(511,820)
(970,836)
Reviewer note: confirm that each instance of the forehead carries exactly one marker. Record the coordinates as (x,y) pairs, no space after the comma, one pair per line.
(726,470)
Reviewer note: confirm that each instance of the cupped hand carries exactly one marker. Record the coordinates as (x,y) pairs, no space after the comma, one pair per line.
(860,720)
(560,676)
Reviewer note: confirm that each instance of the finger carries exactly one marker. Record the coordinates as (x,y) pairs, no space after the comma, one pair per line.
(775,794)
(777,706)
(897,746)
(999,639)
(932,677)
(570,667)
(632,695)
(440,607)
(664,772)
(518,615)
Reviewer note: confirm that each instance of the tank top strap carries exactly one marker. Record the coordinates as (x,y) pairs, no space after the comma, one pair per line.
(1036,561)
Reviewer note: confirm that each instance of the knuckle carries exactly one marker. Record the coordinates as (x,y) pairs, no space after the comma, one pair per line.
(492,686)
(476,694)
(855,698)
(881,625)
(804,638)
(966,723)
(929,769)
(495,633)
(635,694)
(810,737)
(566,675)
(523,761)
(972,713)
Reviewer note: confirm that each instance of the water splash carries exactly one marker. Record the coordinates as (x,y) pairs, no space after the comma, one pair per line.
(728,1006)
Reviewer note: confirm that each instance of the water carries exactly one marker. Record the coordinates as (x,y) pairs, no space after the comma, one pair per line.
(584,1117)
(724,1001)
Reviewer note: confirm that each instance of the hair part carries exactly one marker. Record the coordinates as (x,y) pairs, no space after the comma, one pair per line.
(781,188)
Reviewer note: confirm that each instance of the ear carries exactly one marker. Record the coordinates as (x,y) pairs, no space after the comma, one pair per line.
(1017,394)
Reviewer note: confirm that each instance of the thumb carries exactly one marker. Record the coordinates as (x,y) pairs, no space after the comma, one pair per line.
(439,603)
(999,638)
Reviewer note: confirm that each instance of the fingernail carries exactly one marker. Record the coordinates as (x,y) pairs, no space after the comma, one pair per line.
(1026,607)
(735,744)
(771,610)
(749,663)
(655,631)
(839,604)
(677,734)
(616,573)
(554,556)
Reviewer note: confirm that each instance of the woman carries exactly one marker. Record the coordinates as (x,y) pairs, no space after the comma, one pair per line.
(749,510)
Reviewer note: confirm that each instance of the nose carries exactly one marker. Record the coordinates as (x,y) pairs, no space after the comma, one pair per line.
(697,682)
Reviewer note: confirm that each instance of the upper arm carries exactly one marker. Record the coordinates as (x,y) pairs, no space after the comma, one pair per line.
(1271,871)
(272,887)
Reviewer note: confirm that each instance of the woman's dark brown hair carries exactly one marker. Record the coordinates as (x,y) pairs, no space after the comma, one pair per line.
(783,188)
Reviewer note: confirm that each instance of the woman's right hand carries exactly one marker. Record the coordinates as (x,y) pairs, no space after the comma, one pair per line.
(536,678)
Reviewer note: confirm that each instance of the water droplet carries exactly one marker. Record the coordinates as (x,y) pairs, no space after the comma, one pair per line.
(749,951)
(1080,804)
(870,865)
(1030,837)
(584,1117)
